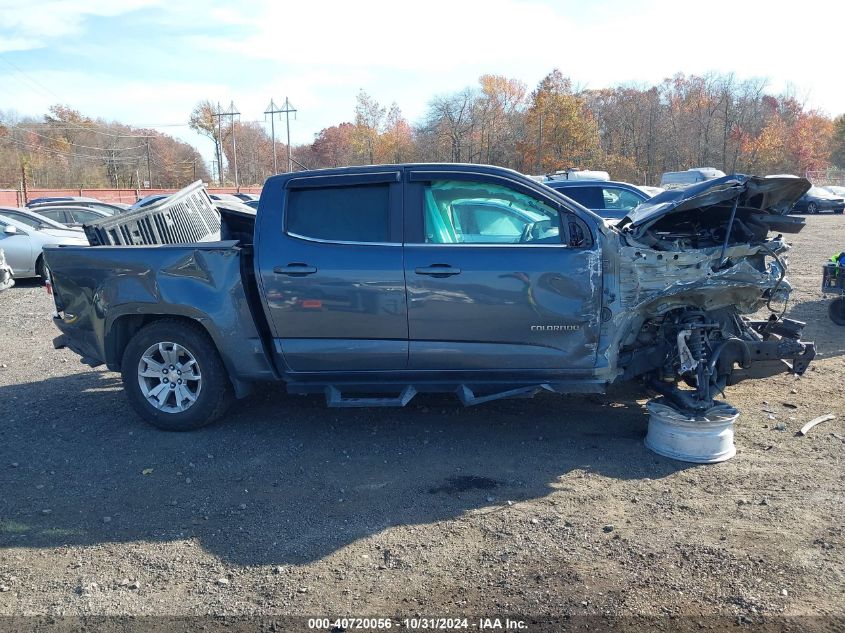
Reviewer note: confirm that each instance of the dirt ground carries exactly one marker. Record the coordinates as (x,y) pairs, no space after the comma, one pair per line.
(550,506)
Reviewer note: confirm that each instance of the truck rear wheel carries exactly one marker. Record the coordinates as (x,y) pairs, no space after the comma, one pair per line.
(173,376)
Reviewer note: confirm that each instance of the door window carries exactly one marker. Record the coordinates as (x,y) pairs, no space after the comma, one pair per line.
(591,197)
(357,213)
(80,216)
(23,219)
(54,214)
(619,199)
(460,212)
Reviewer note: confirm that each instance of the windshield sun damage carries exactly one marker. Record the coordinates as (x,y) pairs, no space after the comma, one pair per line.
(471,212)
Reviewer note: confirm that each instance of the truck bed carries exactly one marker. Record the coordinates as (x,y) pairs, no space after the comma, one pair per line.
(102,292)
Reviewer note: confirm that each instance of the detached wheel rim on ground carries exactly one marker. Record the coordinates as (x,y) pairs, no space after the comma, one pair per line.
(169,377)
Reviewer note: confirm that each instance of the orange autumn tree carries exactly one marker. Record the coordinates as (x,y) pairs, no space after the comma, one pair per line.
(560,131)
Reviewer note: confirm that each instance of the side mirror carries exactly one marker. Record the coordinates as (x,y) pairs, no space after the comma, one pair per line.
(10,230)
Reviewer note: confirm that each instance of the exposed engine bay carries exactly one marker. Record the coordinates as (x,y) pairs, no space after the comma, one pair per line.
(692,263)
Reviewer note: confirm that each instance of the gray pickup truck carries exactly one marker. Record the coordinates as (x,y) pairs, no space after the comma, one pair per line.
(372,284)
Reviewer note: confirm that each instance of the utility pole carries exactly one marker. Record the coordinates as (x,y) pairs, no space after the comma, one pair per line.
(273,111)
(288,109)
(149,169)
(24,184)
(232,113)
(218,145)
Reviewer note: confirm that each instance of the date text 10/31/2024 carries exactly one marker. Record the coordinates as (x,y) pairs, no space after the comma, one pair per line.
(418,623)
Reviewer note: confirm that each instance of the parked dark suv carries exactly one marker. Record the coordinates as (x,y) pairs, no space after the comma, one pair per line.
(611,200)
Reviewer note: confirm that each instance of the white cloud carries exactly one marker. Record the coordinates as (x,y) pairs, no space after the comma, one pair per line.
(27,24)
(321,53)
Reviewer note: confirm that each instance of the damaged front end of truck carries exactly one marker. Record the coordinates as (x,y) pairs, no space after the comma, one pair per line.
(691,269)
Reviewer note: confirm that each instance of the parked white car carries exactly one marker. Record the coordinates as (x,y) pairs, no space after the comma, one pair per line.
(23,245)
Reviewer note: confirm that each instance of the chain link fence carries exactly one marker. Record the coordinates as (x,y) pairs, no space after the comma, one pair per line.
(824,177)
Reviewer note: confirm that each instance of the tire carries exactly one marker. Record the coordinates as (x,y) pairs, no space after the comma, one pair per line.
(836,311)
(39,268)
(812,208)
(170,346)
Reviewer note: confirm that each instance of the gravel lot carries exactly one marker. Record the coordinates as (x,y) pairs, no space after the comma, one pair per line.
(549,506)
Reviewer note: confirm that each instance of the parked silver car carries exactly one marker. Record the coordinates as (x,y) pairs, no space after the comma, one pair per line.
(23,245)
(34,220)
(71,216)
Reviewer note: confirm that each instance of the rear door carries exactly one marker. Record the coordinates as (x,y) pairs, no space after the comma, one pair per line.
(331,272)
(521,293)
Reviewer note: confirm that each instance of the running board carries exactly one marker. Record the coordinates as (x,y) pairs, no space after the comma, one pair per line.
(334,398)
(468,398)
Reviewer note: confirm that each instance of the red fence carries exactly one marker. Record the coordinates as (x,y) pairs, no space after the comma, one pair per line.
(12,198)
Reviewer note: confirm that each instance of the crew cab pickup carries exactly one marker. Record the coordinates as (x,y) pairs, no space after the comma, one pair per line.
(372,284)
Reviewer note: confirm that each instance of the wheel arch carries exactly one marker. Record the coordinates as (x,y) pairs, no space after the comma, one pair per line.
(123,327)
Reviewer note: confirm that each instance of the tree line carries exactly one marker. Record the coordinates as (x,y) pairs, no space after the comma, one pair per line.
(65,148)
(635,132)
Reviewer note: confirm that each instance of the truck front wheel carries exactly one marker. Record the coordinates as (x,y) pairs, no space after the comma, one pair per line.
(173,376)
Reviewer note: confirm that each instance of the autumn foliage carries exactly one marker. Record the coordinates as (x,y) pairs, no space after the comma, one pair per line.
(67,149)
(635,132)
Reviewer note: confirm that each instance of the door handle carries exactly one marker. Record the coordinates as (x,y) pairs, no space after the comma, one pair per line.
(295,270)
(438,270)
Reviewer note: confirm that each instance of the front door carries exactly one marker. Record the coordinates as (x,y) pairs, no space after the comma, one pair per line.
(496,277)
(332,276)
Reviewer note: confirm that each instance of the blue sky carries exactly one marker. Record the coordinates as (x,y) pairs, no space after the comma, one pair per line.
(147,62)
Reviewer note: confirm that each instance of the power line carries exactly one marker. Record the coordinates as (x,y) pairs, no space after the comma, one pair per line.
(55,152)
(61,140)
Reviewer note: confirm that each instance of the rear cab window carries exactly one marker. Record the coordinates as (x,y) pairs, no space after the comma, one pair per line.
(349,213)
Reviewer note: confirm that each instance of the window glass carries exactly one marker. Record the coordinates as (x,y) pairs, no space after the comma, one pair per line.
(459,212)
(100,207)
(590,197)
(621,199)
(54,214)
(85,216)
(24,219)
(341,214)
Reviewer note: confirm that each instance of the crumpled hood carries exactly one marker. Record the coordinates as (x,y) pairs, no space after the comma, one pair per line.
(767,195)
